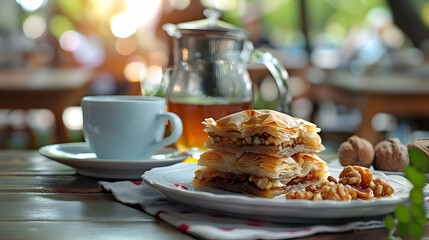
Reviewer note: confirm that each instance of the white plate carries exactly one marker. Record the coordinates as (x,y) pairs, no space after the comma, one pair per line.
(80,156)
(175,182)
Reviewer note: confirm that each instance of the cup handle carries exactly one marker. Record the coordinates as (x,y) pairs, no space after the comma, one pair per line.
(174,136)
(279,74)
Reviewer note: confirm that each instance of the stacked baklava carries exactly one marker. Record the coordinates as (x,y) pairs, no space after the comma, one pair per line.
(260,152)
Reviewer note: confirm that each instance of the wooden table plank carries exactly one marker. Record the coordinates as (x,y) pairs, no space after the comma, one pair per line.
(25,162)
(46,230)
(43,199)
(68,207)
(49,184)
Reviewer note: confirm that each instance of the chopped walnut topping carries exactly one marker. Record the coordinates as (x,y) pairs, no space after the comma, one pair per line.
(350,176)
(355,183)
(381,188)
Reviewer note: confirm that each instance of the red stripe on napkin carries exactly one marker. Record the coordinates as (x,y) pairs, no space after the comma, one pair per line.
(159,212)
(227,229)
(185,212)
(254,224)
(183,227)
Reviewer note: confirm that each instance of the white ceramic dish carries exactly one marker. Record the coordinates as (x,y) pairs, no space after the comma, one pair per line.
(80,156)
(175,182)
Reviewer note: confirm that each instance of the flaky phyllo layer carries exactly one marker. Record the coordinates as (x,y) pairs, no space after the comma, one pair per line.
(258,174)
(263,131)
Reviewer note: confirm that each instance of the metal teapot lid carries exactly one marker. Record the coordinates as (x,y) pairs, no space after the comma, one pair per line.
(209,26)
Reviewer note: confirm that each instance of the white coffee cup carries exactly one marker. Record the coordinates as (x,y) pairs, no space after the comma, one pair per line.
(127,127)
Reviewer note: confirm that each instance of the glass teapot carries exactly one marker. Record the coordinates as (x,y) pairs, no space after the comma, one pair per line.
(210,77)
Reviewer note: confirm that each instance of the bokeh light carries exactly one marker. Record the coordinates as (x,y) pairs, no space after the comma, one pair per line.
(123,25)
(31,5)
(151,82)
(337,32)
(72,117)
(425,14)
(384,122)
(70,40)
(4,113)
(134,71)
(379,17)
(16,119)
(159,58)
(325,58)
(302,108)
(153,75)
(34,26)
(392,37)
(268,89)
(297,86)
(125,46)
(60,24)
(90,52)
(142,12)
(73,9)
(226,5)
(40,118)
(180,4)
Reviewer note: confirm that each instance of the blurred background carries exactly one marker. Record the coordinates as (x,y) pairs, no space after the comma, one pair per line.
(356,67)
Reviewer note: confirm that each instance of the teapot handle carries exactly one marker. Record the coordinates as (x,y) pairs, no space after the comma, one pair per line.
(279,74)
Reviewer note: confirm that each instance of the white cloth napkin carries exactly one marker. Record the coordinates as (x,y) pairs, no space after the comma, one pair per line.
(211,226)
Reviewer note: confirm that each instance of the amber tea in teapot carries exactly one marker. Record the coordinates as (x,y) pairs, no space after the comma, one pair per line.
(210,77)
(192,115)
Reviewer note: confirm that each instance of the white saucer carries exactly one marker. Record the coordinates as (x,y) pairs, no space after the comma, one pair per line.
(80,156)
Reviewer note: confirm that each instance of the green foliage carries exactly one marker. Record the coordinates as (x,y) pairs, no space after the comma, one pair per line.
(402,214)
(416,196)
(416,230)
(418,214)
(410,220)
(390,222)
(418,159)
(403,229)
(416,177)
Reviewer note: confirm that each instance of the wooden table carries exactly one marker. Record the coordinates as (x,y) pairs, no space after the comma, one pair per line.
(45,88)
(43,199)
(397,93)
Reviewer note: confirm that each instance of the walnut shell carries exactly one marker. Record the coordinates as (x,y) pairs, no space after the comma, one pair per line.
(356,151)
(391,155)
